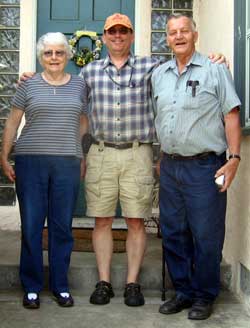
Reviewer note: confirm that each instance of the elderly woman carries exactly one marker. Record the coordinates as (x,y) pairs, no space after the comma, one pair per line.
(47,166)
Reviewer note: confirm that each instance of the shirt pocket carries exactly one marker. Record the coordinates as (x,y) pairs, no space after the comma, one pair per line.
(203,95)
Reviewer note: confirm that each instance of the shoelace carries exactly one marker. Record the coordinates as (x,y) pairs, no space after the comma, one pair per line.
(102,288)
(132,290)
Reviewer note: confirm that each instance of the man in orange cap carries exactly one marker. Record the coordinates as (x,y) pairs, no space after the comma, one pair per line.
(119,163)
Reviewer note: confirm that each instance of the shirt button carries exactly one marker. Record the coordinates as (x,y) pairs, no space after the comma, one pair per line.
(172,116)
(118,88)
(118,104)
(171,132)
(118,118)
(118,134)
(174,102)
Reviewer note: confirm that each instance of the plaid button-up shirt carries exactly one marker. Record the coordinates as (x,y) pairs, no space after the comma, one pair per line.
(120,107)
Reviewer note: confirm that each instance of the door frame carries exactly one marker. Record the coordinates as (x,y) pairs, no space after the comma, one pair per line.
(28,24)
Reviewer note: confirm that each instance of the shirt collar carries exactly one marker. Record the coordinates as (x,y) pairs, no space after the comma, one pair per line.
(130,61)
(195,60)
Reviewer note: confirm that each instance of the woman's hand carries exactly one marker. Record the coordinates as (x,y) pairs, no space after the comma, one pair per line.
(8,170)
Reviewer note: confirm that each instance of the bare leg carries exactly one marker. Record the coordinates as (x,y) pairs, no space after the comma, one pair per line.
(103,246)
(135,246)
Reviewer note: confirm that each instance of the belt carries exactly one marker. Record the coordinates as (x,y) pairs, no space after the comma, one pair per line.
(120,146)
(197,156)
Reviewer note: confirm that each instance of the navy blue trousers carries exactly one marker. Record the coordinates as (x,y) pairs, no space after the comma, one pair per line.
(192,220)
(47,187)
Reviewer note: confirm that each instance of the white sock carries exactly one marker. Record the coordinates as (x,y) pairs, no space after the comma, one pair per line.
(32,296)
(64,294)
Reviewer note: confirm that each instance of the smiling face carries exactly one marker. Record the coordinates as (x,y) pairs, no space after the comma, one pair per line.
(118,40)
(54,58)
(181,36)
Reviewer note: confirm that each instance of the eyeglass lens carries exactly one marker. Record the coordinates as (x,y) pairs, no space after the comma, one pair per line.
(58,53)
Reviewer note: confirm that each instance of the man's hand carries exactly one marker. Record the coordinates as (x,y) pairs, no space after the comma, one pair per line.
(158,167)
(229,171)
(218,58)
(8,170)
(25,76)
(83,168)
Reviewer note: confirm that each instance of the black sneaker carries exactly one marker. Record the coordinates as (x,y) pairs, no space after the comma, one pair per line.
(132,295)
(102,293)
(64,301)
(31,303)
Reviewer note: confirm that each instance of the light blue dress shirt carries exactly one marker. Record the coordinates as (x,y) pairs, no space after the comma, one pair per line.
(186,123)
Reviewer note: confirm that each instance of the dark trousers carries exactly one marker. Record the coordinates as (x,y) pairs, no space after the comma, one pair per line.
(192,219)
(46,186)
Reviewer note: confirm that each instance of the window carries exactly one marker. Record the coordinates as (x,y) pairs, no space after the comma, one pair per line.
(9,62)
(242,59)
(161,9)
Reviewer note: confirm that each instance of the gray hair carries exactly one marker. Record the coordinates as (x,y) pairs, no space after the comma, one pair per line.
(55,38)
(179,15)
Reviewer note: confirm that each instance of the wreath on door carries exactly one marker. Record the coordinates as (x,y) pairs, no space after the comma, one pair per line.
(83,56)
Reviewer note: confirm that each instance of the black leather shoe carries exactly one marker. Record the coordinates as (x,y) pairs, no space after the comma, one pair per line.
(66,301)
(200,310)
(133,295)
(31,304)
(175,305)
(102,293)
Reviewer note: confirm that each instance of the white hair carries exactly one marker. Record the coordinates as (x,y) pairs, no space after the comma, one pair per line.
(179,15)
(55,38)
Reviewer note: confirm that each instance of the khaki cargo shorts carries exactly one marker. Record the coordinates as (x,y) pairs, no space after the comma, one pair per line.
(114,174)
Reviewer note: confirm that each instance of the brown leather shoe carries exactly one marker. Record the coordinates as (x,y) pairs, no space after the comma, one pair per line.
(201,310)
(175,305)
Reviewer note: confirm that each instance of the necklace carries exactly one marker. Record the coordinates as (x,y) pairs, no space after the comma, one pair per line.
(54,83)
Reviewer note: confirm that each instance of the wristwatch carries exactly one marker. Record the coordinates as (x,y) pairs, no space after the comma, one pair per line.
(234,156)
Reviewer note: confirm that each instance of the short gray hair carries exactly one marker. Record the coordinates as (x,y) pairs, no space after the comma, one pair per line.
(179,15)
(55,38)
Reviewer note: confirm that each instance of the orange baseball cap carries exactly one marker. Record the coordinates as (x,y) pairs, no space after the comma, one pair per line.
(117,19)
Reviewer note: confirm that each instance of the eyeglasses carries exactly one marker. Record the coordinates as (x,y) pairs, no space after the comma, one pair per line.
(58,53)
(122,30)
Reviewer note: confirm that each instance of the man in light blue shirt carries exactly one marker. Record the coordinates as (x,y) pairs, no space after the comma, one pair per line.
(197,120)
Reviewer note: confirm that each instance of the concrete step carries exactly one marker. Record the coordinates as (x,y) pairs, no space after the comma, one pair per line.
(228,313)
(83,273)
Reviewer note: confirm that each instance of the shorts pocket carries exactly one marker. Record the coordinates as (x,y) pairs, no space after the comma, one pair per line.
(93,174)
(145,188)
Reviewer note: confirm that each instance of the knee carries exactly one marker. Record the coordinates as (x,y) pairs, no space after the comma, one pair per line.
(103,223)
(136,225)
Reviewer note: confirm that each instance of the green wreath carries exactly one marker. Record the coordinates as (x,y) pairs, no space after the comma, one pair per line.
(84,55)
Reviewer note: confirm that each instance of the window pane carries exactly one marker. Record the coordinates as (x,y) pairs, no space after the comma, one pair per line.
(9,39)
(159,19)
(4,106)
(8,84)
(9,17)
(159,43)
(183,4)
(10,2)
(161,3)
(9,62)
